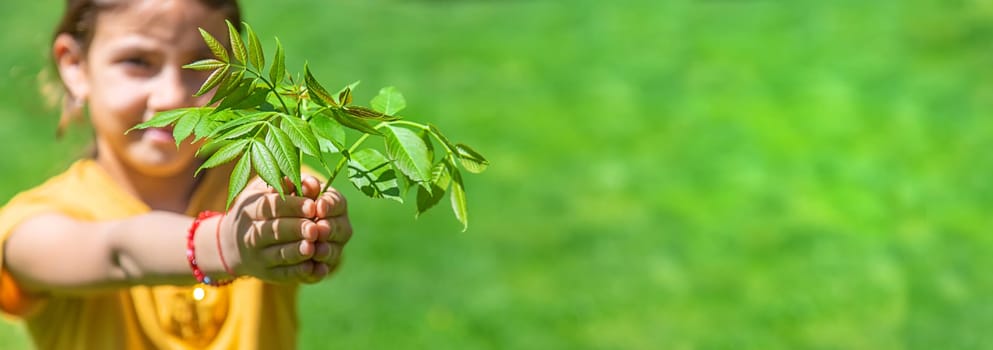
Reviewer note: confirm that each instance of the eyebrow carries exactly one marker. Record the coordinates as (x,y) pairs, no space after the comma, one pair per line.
(139,43)
(131,42)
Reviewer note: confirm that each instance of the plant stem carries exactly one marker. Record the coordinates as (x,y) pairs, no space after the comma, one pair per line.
(272,87)
(404,122)
(422,127)
(344,159)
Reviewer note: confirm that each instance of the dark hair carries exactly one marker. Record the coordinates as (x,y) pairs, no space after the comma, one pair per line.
(80,17)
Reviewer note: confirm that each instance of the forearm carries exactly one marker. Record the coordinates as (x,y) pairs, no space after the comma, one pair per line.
(151,249)
(58,255)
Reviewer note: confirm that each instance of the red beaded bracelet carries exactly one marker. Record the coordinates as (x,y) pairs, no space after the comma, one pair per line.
(191,255)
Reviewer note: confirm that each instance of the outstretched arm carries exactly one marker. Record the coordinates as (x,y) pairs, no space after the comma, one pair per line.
(262,236)
(56,254)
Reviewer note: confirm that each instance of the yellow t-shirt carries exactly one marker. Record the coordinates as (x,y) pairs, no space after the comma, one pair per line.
(248,314)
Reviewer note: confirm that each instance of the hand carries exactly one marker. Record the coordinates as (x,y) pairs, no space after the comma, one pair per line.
(298,238)
(276,238)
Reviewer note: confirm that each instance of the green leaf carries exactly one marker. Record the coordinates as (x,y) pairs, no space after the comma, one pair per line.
(372,175)
(204,128)
(224,155)
(239,178)
(227,86)
(286,154)
(389,101)
(428,195)
(205,65)
(459,205)
(365,113)
(440,176)
(318,93)
(278,69)
(237,121)
(350,87)
(300,134)
(237,95)
(215,46)
(426,138)
(184,127)
(255,53)
(328,146)
(239,131)
(209,122)
(211,146)
(160,119)
(471,160)
(212,80)
(274,103)
(353,123)
(444,140)
(254,99)
(266,166)
(408,152)
(330,134)
(237,45)
(345,96)
(405,182)
(224,116)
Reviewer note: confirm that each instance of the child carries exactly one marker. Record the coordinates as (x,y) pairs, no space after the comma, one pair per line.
(108,255)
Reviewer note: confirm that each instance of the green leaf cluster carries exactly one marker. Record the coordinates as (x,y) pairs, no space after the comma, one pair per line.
(269,123)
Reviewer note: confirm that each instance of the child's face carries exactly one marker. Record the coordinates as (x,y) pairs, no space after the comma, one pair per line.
(133,69)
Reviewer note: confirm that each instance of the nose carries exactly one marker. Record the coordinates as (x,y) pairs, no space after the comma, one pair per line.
(170,90)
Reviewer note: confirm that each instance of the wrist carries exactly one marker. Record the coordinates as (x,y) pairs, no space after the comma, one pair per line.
(227,247)
(202,250)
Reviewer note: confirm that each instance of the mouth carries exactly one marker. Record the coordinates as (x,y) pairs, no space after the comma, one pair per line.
(159,135)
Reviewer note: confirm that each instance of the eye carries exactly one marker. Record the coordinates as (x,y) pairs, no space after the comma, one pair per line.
(136,61)
(138,65)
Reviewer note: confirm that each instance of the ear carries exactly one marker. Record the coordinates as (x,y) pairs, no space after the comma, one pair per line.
(70,59)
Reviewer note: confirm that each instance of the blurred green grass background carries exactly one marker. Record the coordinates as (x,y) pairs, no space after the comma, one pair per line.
(666,174)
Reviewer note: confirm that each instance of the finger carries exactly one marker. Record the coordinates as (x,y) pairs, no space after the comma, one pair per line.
(283,230)
(323,230)
(288,186)
(319,273)
(324,251)
(311,187)
(293,273)
(272,206)
(340,229)
(259,185)
(331,203)
(288,254)
(336,229)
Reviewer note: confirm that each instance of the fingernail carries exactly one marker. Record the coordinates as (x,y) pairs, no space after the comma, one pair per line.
(307,231)
(309,208)
(322,209)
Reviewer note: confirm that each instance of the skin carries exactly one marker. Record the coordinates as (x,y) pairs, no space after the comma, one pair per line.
(131,70)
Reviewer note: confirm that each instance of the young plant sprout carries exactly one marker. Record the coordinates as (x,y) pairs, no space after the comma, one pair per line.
(272,123)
